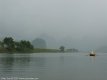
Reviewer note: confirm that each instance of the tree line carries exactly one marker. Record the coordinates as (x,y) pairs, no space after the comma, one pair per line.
(10,45)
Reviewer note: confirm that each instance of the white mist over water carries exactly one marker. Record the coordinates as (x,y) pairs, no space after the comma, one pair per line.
(72,23)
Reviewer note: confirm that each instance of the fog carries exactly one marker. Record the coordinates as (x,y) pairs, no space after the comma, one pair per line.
(80,24)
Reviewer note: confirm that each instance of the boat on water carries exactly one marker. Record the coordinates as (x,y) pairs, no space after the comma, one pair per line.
(92,53)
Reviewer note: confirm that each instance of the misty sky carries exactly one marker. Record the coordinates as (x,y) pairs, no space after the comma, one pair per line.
(76,21)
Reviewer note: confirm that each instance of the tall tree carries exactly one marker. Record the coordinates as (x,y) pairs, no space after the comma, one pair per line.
(23,45)
(62,48)
(0,43)
(8,43)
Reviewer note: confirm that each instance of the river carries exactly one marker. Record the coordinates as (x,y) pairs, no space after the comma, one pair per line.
(53,66)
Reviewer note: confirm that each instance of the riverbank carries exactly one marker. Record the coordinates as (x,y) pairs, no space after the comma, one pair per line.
(36,50)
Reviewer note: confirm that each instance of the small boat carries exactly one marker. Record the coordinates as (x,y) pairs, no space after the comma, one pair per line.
(92,53)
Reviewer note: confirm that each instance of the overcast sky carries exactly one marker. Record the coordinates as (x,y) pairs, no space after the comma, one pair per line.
(76,19)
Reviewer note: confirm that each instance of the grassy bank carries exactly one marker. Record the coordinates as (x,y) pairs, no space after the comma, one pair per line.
(36,50)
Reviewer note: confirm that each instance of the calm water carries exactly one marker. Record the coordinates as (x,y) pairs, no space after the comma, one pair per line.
(58,66)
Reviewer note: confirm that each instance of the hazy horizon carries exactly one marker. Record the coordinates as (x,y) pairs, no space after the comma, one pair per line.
(77,24)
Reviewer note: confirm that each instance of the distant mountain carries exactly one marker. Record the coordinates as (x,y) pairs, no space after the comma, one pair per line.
(85,43)
(102,49)
(50,41)
(39,43)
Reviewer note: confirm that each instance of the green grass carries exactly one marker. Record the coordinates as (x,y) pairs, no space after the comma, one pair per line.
(36,50)
(39,50)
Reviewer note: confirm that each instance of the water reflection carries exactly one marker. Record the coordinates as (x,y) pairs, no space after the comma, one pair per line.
(61,59)
(9,62)
(22,61)
(39,61)
(92,58)
(54,66)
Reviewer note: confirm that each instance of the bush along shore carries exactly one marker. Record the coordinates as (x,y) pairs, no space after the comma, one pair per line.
(9,45)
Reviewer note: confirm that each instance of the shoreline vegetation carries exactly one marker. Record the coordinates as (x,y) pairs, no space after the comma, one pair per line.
(36,50)
(8,45)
